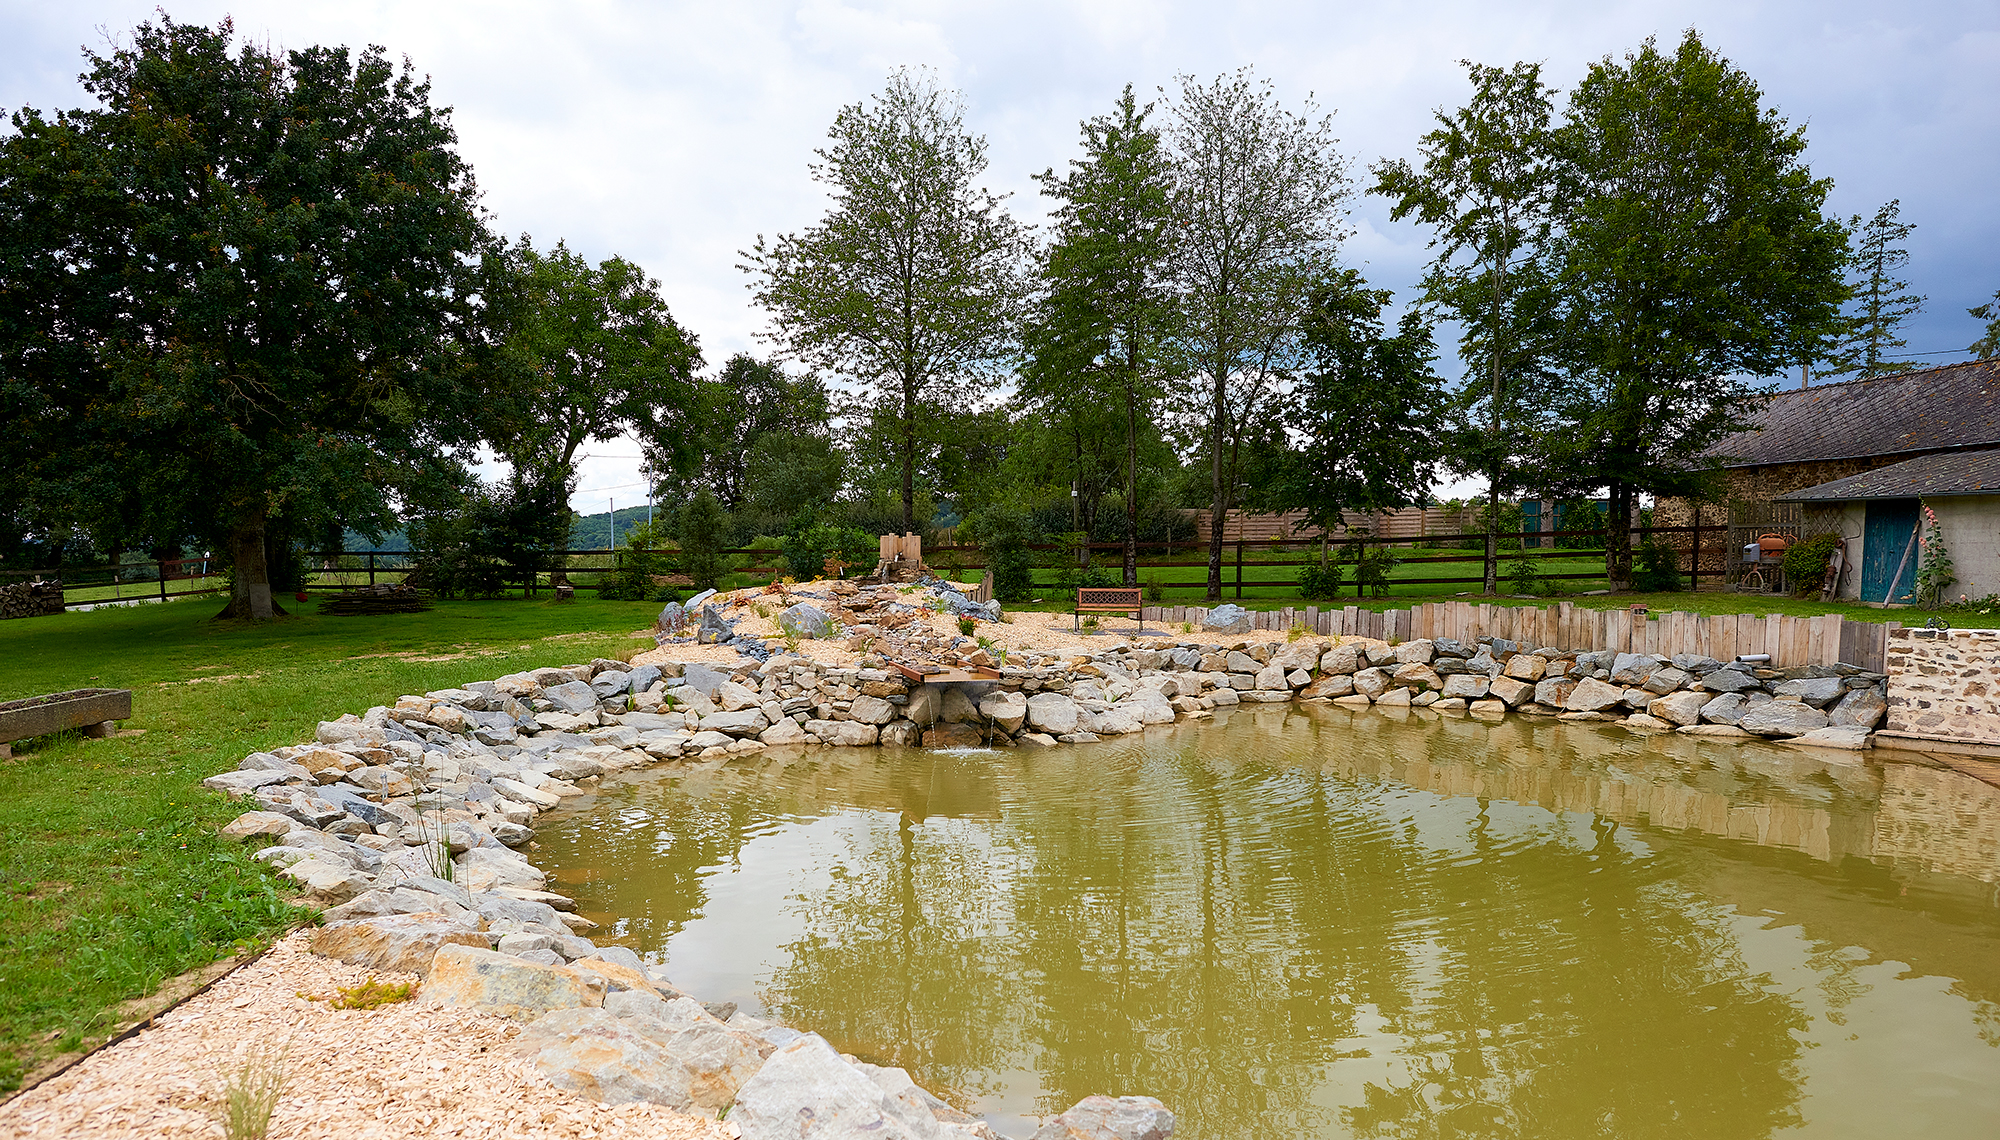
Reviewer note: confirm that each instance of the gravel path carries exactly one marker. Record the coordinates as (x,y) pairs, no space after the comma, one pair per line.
(410,1070)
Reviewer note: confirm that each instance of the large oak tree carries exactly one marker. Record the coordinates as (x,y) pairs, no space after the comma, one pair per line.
(233,292)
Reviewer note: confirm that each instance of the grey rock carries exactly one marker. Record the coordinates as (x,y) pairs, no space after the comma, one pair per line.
(644,677)
(807,620)
(1818,692)
(1849,737)
(704,679)
(872,710)
(1632,668)
(1227,618)
(1006,710)
(611,683)
(1679,708)
(1782,718)
(1110,1118)
(747,722)
(1863,708)
(1664,681)
(1554,691)
(617,1060)
(672,616)
(1466,686)
(1694,663)
(714,627)
(1052,713)
(1724,709)
(1730,679)
(575,697)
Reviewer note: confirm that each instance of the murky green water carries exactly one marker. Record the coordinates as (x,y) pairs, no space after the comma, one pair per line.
(1328,924)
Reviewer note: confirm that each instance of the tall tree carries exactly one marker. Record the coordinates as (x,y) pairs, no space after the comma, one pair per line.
(746,401)
(1692,252)
(1365,414)
(1484,187)
(1987,346)
(238,286)
(593,354)
(1882,302)
(1258,200)
(910,285)
(1107,313)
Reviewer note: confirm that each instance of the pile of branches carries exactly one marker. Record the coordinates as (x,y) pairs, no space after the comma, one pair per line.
(30,599)
(387,598)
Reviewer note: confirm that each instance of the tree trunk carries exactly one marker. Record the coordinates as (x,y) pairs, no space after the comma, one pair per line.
(1492,573)
(250,573)
(909,459)
(1618,537)
(1219,502)
(1131,488)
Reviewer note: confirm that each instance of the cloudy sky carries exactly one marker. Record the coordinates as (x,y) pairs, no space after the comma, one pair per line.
(675,133)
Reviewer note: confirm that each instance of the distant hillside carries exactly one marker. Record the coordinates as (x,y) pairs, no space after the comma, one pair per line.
(600,531)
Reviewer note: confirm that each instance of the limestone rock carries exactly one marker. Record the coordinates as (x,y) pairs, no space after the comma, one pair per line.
(1371,683)
(741,722)
(806,1090)
(1851,737)
(1526,667)
(1330,685)
(786,731)
(326,881)
(1650,723)
(843,733)
(1591,695)
(614,1060)
(953,734)
(1006,710)
(1782,718)
(486,868)
(505,985)
(1862,707)
(1227,618)
(901,734)
(1270,677)
(1511,690)
(1466,686)
(1394,697)
(958,708)
(237,784)
(254,824)
(1418,652)
(872,710)
(1554,691)
(1416,676)
(736,698)
(1109,1118)
(1340,659)
(405,943)
(1682,708)
(1052,713)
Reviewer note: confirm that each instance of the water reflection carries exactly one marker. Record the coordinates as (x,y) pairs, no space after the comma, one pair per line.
(1323,924)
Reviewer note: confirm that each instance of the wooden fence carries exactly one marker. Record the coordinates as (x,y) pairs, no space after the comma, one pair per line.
(1822,640)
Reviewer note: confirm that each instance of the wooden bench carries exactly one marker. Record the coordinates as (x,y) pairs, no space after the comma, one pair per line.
(1107,600)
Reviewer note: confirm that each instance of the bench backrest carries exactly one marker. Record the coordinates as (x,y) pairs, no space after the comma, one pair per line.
(1109,599)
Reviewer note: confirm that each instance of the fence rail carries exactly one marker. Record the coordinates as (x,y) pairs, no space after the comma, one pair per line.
(1823,640)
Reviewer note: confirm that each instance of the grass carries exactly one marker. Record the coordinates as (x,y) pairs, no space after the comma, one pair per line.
(111,876)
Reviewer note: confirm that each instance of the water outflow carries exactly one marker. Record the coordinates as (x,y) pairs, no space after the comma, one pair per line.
(1315,923)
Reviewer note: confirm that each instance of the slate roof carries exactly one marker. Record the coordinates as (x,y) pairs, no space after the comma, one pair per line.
(1954,406)
(1927,476)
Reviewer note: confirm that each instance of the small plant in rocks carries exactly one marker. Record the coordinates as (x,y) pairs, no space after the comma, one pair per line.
(372,994)
(966,626)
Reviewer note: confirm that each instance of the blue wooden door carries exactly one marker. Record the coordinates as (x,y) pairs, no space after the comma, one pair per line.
(1888,534)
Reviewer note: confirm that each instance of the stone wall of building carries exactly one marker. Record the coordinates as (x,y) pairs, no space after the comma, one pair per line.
(1945,684)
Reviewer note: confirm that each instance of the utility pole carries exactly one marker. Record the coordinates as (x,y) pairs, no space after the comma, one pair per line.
(611,522)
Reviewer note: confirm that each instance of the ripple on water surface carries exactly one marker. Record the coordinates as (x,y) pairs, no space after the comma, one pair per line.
(1322,924)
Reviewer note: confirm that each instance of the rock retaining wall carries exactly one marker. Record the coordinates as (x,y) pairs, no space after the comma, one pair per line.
(1944,685)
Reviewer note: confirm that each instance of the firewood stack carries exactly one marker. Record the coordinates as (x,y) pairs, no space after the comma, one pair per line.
(386,598)
(30,599)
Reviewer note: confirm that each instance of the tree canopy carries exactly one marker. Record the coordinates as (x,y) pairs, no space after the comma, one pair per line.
(235,290)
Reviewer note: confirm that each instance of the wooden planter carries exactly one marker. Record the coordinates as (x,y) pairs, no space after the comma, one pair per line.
(87,709)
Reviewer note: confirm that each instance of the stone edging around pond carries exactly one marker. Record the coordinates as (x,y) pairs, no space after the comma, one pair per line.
(359,816)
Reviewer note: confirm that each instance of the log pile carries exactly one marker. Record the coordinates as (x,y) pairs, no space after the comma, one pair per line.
(387,598)
(30,599)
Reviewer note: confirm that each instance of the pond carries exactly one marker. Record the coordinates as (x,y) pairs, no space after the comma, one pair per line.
(1311,922)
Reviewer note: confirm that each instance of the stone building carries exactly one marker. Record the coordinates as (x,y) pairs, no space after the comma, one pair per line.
(1804,438)
(1879,513)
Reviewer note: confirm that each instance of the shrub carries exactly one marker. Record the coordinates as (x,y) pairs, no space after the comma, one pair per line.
(1806,562)
(808,547)
(1371,564)
(1004,534)
(1659,568)
(1523,578)
(1318,580)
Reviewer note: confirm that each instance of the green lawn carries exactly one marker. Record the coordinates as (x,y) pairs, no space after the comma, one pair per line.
(113,878)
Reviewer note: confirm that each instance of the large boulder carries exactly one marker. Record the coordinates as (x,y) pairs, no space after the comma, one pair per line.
(1782,718)
(1664,681)
(1465,686)
(1512,691)
(405,943)
(505,985)
(957,708)
(1227,618)
(1418,652)
(672,617)
(1329,686)
(325,879)
(843,733)
(1341,659)
(1110,1118)
(1554,691)
(490,868)
(1730,679)
(805,1090)
(1591,695)
(1632,668)
(575,697)
(256,825)
(714,627)
(704,679)
(1862,707)
(611,683)
(1053,713)
(692,1063)
(1371,682)
(743,722)
(1007,710)
(1526,667)
(1724,708)
(872,710)
(1847,737)
(806,620)
(1818,692)
(1681,708)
